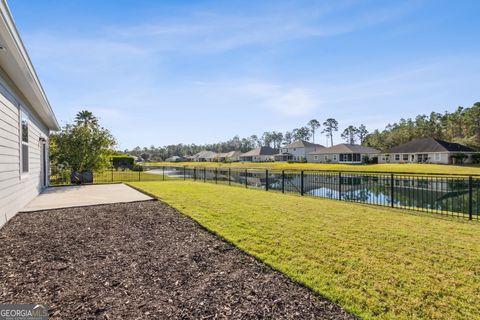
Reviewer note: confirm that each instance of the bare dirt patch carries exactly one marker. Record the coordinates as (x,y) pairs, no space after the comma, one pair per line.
(138,261)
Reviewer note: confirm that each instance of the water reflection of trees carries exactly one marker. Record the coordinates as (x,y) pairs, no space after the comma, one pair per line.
(431,193)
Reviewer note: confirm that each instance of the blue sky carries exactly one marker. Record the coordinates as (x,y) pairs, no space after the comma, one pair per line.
(162,72)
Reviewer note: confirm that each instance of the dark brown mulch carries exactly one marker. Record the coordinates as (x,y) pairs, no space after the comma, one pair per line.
(141,260)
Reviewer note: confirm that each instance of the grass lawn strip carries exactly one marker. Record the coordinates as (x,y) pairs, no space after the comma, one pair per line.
(376,262)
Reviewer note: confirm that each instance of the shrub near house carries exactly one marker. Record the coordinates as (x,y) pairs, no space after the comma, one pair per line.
(123,162)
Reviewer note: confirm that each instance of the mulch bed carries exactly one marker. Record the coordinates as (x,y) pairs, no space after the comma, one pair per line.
(138,261)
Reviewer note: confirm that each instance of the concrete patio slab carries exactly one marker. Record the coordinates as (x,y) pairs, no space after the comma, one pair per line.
(87,195)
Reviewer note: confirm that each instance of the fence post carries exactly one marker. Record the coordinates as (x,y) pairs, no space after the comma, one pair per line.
(283,181)
(470,198)
(163,172)
(139,175)
(204,174)
(266,180)
(301,183)
(229,176)
(216,176)
(339,186)
(184,172)
(392,191)
(194,174)
(246,181)
(112,174)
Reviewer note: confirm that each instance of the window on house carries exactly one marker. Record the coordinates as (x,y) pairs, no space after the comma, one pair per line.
(350,157)
(397,157)
(405,157)
(334,157)
(24,137)
(325,157)
(437,156)
(316,157)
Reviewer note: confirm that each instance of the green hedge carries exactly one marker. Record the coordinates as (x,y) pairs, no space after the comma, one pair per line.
(123,162)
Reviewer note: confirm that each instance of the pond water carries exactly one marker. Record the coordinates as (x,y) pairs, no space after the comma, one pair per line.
(435,194)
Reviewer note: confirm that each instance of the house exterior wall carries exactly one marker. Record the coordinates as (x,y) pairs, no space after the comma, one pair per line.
(299,153)
(333,158)
(16,188)
(433,157)
(262,158)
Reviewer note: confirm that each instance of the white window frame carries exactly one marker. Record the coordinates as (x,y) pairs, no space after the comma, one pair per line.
(315,157)
(405,155)
(334,157)
(22,112)
(397,157)
(437,156)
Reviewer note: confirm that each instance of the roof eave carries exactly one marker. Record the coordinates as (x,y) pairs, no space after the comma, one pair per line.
(21,71)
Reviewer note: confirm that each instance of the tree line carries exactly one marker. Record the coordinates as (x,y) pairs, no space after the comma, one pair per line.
(274,139)
(461,126)
(85,145)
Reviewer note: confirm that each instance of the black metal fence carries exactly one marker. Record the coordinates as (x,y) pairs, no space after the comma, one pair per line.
(447,195)
(454,196)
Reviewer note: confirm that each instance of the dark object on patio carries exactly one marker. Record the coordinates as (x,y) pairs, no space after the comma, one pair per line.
(81,177)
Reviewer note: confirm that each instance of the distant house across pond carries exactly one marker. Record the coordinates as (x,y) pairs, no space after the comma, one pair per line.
(262,154)
(297,151)
(204,156)
(233,156)
(343,153)
(427,150)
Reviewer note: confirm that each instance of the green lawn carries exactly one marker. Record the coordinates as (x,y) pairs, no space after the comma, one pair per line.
(388,167)
(376,262)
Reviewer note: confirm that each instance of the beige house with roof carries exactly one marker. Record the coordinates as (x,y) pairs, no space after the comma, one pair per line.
(262,154)
(342,153)
(297,151)
(228,156)
(204,156)
(427,150)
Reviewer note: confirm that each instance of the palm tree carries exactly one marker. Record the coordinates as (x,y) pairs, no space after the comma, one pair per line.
(314,125)
(86,118)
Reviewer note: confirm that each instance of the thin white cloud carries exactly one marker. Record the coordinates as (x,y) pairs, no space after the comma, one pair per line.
(284,100)
(217,31)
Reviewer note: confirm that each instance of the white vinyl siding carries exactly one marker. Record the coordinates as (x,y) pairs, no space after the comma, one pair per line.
(16,189)
(424,157)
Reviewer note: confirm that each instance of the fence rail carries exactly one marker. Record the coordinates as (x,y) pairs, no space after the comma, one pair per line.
(452,196)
